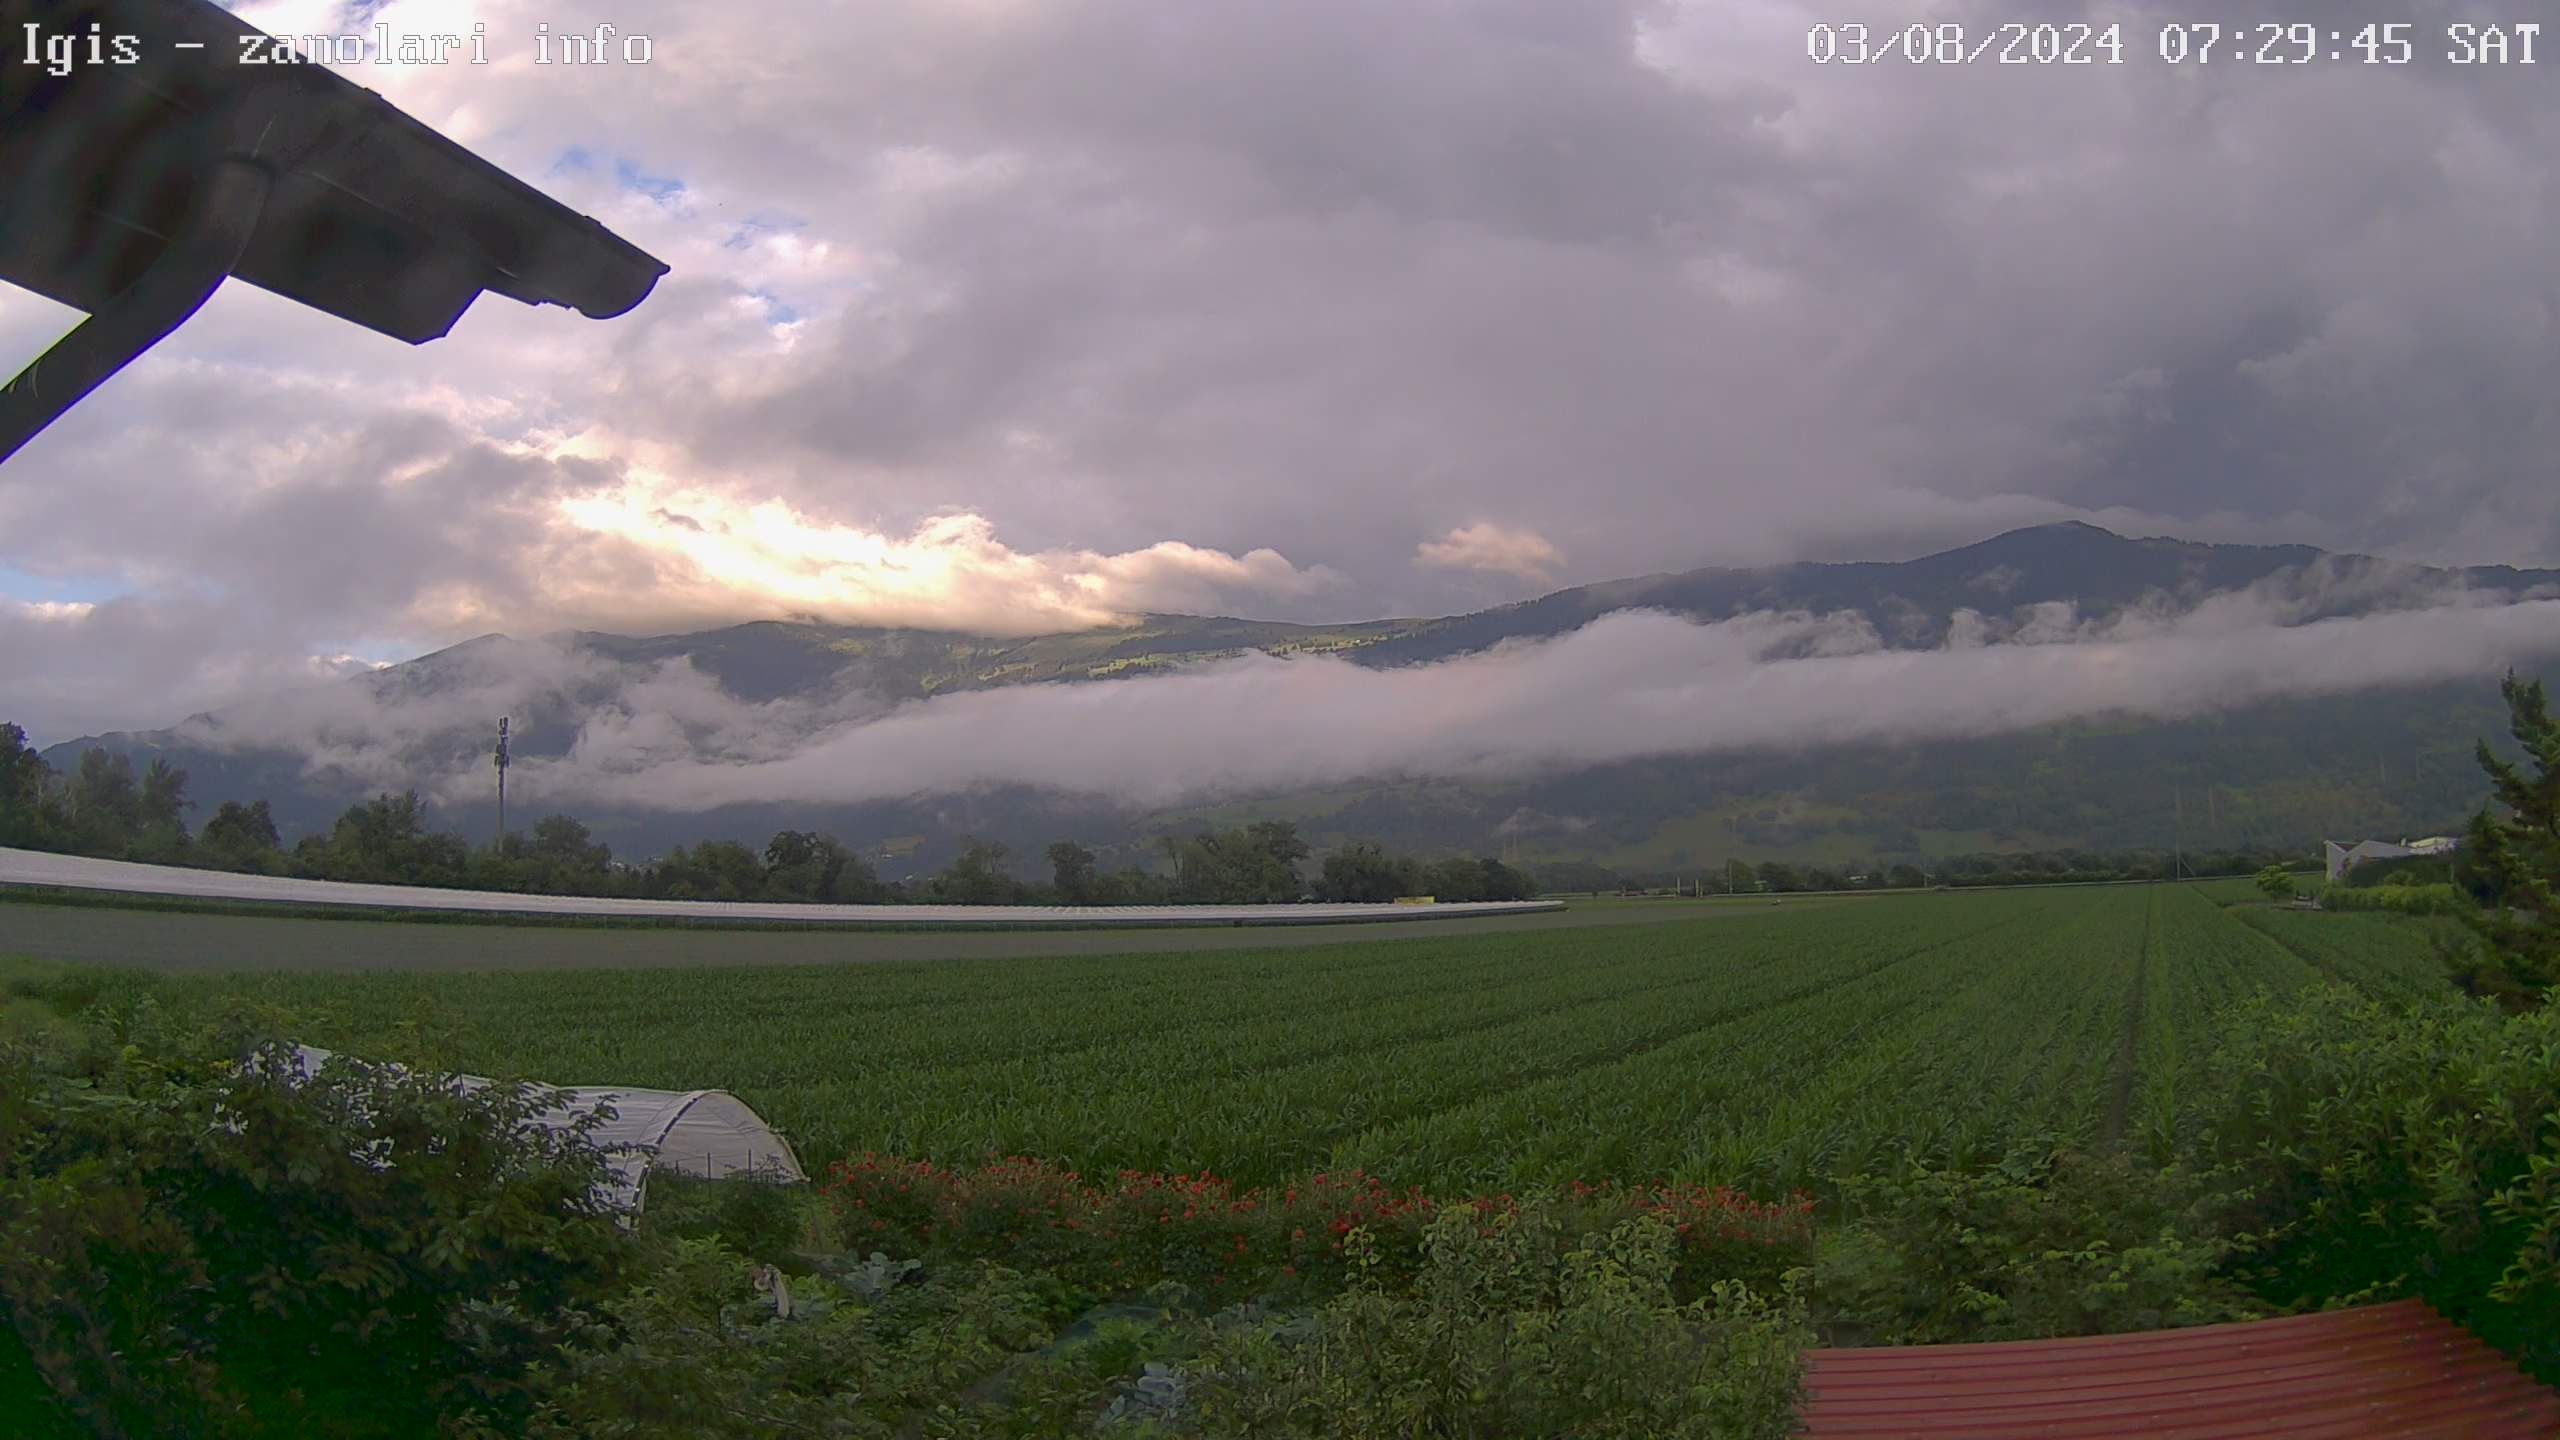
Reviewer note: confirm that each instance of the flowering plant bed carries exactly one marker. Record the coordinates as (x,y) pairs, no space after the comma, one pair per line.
(1139,1229)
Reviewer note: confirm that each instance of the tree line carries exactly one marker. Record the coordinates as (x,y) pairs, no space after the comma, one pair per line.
(2024,867)
(2509,863)
(104,808)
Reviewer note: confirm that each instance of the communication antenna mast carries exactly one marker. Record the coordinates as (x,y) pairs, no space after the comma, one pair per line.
(502,782)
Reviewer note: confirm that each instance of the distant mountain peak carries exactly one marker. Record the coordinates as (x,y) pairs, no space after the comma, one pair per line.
(493,640)
(2071,532)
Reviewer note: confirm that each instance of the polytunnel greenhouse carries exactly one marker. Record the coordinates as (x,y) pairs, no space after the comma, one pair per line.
(707,1133)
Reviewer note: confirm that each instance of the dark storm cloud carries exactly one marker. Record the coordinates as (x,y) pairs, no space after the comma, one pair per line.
(1384,257)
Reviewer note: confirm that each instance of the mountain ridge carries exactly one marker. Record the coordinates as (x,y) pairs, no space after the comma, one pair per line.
(2224,566)
(2007,584)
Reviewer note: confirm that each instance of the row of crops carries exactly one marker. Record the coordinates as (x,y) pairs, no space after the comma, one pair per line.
(1766,1049)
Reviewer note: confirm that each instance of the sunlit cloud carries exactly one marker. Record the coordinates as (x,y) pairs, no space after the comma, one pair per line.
(53,610)
(1523,554)
(713,555)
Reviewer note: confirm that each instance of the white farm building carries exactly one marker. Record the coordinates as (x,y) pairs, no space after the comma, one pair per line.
(2343,858)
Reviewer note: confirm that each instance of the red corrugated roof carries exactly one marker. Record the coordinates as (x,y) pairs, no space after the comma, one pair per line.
(2378,1370)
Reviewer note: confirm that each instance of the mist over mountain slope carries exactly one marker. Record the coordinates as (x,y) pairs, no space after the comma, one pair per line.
(2034,689)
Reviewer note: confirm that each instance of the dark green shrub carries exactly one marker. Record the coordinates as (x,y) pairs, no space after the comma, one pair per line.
(1513,1327)
(759,1217)
(696,1352)
(2391,1152)
(188,1247)
(2444,899)
(2042,1244)
(2399,870)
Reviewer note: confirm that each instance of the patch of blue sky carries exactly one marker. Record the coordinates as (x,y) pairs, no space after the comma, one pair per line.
(579,160)
(16,584)
(755,228)
(656,187)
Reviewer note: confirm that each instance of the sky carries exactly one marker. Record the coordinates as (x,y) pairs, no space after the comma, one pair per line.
(1028,315)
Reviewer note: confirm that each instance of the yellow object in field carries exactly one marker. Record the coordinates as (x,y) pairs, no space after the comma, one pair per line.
(1415,900)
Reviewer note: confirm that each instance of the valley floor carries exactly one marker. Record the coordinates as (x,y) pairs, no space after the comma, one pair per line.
(1767,1046)
(1372,1140)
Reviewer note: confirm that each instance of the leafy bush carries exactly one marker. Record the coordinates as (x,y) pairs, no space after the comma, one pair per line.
(2444,899)
(2396,1152)
(1144,1229)
(191,1247)
(2041,1244)
(761,1218)
(696,1353)
(1513,1326)
(2399,870)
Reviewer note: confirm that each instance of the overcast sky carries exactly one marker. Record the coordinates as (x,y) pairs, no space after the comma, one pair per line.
(1022,314)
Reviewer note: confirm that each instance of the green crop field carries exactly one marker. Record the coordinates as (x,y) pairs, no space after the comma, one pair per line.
(2243,889)
(1768,1049)
(2363,948)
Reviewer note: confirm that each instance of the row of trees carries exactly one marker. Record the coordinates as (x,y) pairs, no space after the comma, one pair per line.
(2042,867)
(2510,861)
(104,808)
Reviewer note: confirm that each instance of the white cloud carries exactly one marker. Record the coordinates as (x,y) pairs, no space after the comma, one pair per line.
(1493,549)
(1631,684)
(53,610)
(1628,685)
